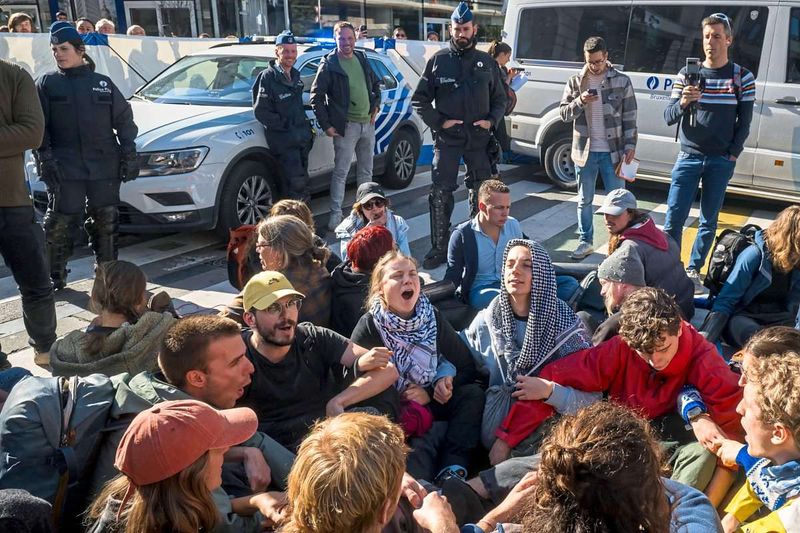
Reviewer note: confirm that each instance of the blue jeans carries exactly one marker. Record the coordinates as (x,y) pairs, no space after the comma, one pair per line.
(714,171)
(358,140)
(587,179)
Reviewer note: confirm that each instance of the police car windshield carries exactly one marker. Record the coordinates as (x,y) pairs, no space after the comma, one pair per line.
(206,80)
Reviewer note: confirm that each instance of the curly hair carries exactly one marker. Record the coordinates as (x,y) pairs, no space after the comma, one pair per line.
(778,396)
(647,315)
(783,239)
(600,472)
(776,340)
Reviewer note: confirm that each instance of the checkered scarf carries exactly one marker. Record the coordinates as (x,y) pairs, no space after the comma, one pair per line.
(549,320)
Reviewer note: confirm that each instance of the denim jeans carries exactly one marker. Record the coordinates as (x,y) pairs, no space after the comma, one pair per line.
(22,248)
(358,139)
(714,172)
(587,180)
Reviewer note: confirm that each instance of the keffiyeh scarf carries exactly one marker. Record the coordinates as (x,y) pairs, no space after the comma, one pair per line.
(412,342)
(550,320)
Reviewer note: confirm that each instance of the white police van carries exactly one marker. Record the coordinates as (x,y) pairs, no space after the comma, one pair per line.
(204,157)
(650,40)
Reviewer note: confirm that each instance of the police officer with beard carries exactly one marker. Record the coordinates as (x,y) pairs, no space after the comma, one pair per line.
(465,85)
(278,105)
(88,150)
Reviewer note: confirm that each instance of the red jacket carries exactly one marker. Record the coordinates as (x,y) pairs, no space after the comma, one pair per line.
(614,368)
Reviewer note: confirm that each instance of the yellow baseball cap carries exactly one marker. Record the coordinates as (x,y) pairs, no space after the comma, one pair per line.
(266,288)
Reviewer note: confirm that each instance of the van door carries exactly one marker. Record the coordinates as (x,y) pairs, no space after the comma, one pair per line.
(777,164)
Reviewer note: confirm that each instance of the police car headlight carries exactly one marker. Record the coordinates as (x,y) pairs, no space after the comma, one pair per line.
(174,162)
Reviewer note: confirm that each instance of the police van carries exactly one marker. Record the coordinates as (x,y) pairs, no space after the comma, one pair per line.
(204,157)
(650,41)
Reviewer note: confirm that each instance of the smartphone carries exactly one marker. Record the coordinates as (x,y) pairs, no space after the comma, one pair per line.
(592,92)
(363,27)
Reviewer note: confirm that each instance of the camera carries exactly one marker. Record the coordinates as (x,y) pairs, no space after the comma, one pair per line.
(593,92)
(694,79)
(363,27)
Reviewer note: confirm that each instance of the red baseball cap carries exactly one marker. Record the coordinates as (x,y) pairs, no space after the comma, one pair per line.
(167,438)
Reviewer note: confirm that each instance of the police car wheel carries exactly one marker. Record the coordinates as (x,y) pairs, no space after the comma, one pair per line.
(247,196)
(401,160)
(558,163)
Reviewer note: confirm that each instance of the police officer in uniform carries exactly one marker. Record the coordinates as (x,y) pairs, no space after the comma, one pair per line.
(465,85)
(278,105)
(87,151)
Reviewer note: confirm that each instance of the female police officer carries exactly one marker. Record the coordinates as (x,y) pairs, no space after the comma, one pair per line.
(88,149)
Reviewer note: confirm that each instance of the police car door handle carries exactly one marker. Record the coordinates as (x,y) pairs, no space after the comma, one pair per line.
(788,100)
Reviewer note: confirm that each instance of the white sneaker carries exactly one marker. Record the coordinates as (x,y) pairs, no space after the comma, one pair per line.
(694,276)
(582,251)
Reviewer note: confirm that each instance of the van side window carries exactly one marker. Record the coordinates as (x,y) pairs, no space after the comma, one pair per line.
(793,61)
(308,72)
(662,37)
(558,33)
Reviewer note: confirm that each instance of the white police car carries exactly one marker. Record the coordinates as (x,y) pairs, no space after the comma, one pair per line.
(204,157)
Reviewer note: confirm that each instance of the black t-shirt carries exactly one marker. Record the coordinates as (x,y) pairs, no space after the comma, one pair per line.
(289,396)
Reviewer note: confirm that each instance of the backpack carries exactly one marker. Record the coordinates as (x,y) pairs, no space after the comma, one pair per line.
(727,247)
(50,433)
(243,260)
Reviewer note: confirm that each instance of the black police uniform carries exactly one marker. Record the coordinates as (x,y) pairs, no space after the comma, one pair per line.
(278,105)
(88,149)
(465,85)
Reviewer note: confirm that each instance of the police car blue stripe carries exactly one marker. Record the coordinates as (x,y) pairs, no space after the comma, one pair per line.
(391,119)
(388,111)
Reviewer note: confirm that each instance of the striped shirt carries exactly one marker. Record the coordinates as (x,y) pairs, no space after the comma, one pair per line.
(723,119)
(597,123)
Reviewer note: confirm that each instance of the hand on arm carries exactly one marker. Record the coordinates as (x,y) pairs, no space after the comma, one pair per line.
(272,505)
(443,390)
(412,490)
(532,388)
(417,394)
(436,515)
(728,450)
(708,433)
(511,506)
(375,358)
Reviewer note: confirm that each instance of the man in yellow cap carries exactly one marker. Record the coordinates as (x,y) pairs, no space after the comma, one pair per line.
(304,372)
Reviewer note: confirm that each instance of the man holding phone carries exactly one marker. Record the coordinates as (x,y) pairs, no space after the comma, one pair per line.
(601,104)
(714,108)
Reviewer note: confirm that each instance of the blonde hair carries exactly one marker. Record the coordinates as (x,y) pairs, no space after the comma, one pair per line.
(294,208)
(375,280)
(778,396)
(181,503)
(102,22)
(293,239)
(783,239)
(345,471)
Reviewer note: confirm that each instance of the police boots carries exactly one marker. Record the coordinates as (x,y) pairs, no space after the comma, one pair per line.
(58,230)
(103,228)
(441,207)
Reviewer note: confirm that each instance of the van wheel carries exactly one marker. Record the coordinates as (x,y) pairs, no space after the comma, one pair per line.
(401,160)
(246,197)
(558,164)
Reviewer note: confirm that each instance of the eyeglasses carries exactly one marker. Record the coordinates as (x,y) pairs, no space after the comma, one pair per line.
(277,308)
(596,62)
(723,17)
(261,244)
(372,204)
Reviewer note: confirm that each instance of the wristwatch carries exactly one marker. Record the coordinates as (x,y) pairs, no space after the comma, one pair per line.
(694,413)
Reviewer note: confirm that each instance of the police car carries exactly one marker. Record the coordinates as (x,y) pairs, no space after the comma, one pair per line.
(204,157)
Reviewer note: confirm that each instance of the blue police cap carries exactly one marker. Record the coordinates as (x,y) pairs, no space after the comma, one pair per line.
(285,37)
(63,31)
(462,14)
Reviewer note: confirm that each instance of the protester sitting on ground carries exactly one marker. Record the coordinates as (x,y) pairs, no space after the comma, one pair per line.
(8,378)
(84,26)
(285,244)
(170,460)
(763,288)
(632,229)
(437,373)
(770,409)
(372,208)
(202,358)
(304,372)
(646,367)
(136,30)
(301,210)
(620,275)
(20,512)
(524,327)
(348,476)
(350,280)
(105,26)
(21,23)
(124,337)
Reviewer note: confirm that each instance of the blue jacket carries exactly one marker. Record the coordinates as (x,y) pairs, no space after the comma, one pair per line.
(751,275)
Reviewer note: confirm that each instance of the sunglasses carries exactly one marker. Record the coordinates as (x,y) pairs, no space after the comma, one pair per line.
(372,204)
(723,17)
(277,308)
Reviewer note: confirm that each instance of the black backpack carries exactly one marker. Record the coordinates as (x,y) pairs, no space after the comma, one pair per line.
(727,247)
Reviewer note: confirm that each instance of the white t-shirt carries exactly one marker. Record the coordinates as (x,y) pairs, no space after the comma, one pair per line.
(597,124)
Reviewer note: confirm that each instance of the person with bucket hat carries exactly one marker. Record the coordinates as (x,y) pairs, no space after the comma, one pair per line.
(170,460)
(278,106)
(88,150)
(461,97)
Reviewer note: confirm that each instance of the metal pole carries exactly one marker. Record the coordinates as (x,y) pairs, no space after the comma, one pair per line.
(286,20)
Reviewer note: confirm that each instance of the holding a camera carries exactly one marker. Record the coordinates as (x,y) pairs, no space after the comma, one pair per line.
(712,103)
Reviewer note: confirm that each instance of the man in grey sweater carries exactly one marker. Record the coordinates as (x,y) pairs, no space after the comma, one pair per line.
(21,237)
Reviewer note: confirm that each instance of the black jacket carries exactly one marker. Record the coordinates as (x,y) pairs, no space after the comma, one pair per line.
(330,92)
(349,292)
(464,85)
(88,123)
(278,105)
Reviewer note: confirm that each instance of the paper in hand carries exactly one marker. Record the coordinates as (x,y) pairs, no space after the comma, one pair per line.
(627,171)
